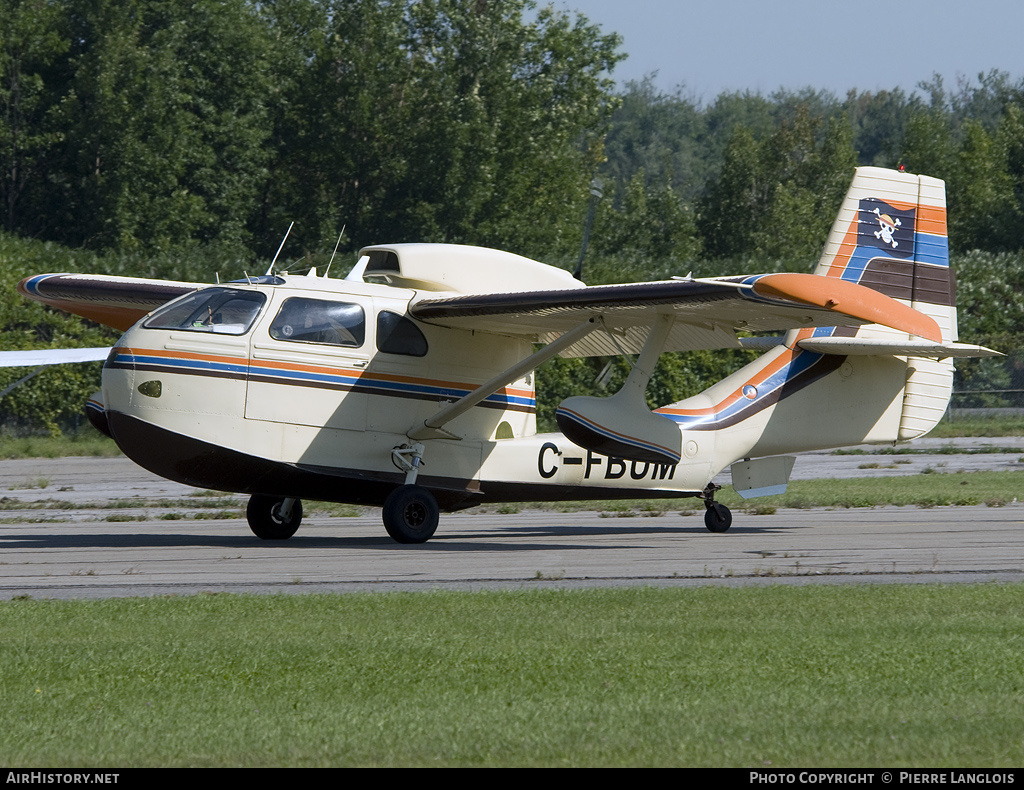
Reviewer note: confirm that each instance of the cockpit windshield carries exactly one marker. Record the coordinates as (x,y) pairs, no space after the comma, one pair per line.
(222,310)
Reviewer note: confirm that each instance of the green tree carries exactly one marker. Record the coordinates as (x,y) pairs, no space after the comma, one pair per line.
(778,197)
(32,45)
(810,161)
(336,118)
(660,134)
(985,103)
(651,235)
(991,313)
(1010,140)
(723,119)
(56,396)
(878,122)
(979,193)
(981,170)
(730,213)
(444,120)
(161,120)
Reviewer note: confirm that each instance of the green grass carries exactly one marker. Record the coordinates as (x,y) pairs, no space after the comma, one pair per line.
(924,490)
(781,676)
(978,426)
(939,488)
(86,442)
(817,676)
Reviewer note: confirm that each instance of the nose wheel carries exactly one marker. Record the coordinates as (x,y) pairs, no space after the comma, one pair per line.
(273,518)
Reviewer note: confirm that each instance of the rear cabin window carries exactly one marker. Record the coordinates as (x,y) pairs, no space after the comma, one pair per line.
(318,321)
(396,334)
(221,310)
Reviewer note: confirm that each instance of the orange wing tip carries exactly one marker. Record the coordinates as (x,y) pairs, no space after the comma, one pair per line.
(851,299)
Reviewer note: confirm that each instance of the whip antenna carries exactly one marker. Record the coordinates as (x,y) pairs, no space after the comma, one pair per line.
(271,269)
(596,193)
(335,250)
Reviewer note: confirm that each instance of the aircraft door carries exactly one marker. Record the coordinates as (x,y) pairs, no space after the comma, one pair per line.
(308,356)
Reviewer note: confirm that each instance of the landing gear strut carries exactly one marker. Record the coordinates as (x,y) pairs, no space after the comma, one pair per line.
(273,518)
(717,517)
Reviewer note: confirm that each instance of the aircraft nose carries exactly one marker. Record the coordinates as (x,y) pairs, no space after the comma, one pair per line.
(118,378)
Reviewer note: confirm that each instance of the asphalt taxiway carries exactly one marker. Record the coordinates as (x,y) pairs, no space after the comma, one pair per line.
(91,528)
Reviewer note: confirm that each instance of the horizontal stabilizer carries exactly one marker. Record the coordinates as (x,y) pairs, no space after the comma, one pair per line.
(849,299)
(872,346)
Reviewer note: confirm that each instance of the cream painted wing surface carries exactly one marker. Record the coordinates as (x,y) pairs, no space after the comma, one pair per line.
(707,313)
(51,356)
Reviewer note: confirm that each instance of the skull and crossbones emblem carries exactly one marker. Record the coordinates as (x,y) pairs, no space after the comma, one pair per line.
(886,228)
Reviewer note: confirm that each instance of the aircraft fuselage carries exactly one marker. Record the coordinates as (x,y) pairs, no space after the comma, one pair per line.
(303,389)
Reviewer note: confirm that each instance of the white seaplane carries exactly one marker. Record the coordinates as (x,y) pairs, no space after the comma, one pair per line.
(409,384)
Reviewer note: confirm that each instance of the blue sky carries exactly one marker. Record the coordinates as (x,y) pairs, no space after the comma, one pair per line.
(716,45)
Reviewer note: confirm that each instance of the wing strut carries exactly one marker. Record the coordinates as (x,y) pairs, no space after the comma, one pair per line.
(636,385)
(23,379)
(432,428)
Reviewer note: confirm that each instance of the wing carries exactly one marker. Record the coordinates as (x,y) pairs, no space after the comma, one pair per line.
(50,356)
(708,312)
(116,302)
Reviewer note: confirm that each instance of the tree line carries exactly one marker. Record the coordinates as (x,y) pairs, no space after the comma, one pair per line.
(156,124)
(763,175)
(181,139)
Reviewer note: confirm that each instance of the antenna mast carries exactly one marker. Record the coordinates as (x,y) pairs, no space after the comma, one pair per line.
(270,270)
(596,192)
(337,244)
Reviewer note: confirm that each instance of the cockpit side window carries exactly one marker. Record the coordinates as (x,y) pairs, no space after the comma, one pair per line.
(225,311)
(396,334)
(320,321)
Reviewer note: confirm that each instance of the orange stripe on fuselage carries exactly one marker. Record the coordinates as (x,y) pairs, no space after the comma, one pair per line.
(767,372)
(307,368)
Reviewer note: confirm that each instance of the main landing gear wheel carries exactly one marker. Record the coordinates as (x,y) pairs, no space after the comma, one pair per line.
(273,517)
(411,514)
(717,517)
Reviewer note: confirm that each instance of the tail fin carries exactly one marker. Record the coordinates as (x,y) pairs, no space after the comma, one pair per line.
(890,235)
